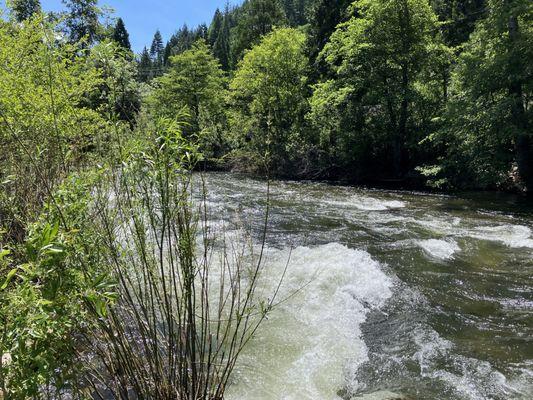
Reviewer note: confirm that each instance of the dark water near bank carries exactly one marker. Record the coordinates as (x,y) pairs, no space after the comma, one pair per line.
(429,296)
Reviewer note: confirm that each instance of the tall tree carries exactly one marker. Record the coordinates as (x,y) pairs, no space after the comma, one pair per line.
(325,16)
(255,19)
(458,18)
(490,115)
(24,9)
(385,60)
(222,45)
(215,27)
(296,11)
(157,53)
(121,35)
(82,20)
(145,72)
(193,83)
(268,97)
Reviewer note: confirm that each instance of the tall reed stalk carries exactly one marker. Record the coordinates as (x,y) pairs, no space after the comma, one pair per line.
(188,299)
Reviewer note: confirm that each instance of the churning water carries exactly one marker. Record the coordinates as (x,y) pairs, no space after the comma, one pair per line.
(425,296)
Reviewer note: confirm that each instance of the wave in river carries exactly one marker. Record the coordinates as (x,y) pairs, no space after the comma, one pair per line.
(439,249)
(312,345)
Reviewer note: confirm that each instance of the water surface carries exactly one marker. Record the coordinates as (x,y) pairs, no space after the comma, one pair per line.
(429,296)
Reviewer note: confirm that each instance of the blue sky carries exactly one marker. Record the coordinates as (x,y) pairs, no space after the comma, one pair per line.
(142,18)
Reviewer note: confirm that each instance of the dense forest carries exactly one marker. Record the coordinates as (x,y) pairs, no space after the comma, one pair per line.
(431,94)
(422,93)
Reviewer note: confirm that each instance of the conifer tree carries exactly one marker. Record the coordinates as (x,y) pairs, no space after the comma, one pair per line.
(325,16)
(215,27)
(255,19)
(295,10)
(82,20)
(157,53)
(121,35)
(156,48)
(145,66)
(221,45)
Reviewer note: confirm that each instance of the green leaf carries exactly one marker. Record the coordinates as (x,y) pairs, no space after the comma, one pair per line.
(10,276)
(3,253)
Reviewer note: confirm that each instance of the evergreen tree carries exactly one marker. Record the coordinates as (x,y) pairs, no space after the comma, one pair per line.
(120,35)
(201,32)
(325,16)
(215,27)
(183,40)
(179,42)
(145,66)
(221,46)
(25,9)
(157,53)
(156,49)
(255,19)
(296,11)
(82,20)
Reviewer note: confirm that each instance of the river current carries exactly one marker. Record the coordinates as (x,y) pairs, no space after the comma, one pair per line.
(387,293)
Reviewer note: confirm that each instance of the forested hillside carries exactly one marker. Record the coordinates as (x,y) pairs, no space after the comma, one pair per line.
(423,93)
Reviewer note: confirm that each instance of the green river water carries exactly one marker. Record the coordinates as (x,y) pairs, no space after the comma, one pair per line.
(424,295)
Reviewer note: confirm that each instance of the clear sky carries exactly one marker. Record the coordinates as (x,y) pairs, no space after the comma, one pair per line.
(143,17)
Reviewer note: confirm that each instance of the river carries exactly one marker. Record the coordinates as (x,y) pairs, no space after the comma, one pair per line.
(424,295)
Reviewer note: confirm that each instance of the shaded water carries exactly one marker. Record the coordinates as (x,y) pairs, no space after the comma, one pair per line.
(429,296)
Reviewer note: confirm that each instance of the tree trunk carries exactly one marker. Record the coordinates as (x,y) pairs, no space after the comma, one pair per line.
(523,140)
(401,135)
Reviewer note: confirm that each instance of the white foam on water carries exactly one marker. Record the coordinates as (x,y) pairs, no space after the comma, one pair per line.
(468,378)
(512,235)
(439,225)
(367,203)
(440,249)
(515,236)
(312,342)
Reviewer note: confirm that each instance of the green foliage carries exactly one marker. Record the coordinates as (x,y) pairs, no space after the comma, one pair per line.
(489,119)
(219,36)
(82,21)
(195,85)
(255,19)
(387,62)
(144,66)
(45,126)
(325,16)
(296,11)
(458,18)
(183,40)
(50,280)
(157,53)
(25,9)
(121,35)
(119,92)
(267,97)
